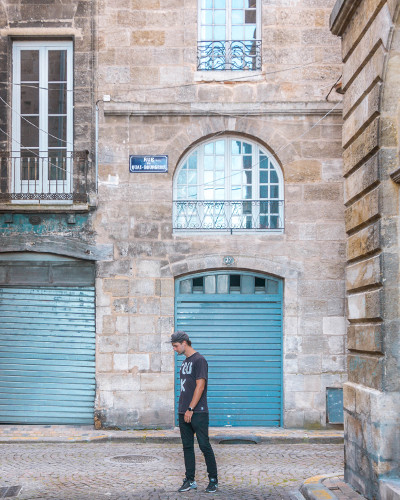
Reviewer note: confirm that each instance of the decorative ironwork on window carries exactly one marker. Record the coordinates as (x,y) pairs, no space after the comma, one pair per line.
(228,215)
(59,177)
(229,55)
(228,184)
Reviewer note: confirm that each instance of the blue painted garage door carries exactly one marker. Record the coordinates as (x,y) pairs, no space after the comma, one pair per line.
(235,321)
(47,355)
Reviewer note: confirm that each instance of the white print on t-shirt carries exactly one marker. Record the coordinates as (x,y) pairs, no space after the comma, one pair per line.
(183,385)
(187,368)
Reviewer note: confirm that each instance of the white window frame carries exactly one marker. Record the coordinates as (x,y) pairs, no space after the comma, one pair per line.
(228,39)
(45,184)
(257,148)
(228,24)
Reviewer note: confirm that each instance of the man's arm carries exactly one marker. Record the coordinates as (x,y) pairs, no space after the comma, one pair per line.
(200,385)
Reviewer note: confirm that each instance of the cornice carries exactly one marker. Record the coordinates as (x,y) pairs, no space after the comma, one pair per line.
(341,15)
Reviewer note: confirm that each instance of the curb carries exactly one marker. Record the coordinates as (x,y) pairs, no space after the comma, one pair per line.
(219,439)
(313,488)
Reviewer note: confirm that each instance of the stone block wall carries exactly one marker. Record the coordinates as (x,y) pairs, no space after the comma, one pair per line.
(371,72)
(73,20)
(160,104)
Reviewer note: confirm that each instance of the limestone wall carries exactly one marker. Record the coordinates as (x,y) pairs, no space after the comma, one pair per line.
(160,104)
(370,139)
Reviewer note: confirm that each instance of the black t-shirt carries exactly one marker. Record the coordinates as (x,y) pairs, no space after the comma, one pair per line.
(193,368)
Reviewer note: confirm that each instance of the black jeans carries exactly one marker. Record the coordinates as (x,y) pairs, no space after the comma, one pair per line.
(198,425)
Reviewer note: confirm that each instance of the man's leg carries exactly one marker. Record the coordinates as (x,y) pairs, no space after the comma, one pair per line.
(200,426)
(187,436)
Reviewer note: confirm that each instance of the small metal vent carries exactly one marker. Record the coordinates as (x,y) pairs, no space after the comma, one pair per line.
(133,459)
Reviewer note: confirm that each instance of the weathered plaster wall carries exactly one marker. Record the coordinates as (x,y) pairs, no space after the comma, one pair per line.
(370,50)
(161,105)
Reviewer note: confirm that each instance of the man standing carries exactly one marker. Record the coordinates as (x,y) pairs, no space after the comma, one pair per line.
(193,412)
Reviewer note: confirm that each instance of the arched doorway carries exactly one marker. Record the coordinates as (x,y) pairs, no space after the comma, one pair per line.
(234,319)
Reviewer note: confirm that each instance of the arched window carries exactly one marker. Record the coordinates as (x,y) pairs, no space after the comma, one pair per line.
(228,183)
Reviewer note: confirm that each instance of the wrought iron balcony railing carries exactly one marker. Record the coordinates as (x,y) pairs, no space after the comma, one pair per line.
(38,178)
(229,55)
(228,215)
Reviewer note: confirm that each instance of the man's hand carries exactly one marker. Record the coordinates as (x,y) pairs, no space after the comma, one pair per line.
(188,416)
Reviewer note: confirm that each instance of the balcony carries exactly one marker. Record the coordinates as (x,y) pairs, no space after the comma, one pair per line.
(228,215)
(229,55)
(38,179)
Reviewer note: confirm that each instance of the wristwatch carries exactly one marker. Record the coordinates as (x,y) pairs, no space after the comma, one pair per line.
(190,408)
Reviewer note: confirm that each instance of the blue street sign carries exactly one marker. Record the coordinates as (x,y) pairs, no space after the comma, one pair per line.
(152,164)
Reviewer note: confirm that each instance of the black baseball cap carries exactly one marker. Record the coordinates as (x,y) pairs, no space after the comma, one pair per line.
(179,336)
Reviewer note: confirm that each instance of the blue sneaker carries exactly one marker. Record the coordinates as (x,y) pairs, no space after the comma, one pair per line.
(188,485)
(212,486)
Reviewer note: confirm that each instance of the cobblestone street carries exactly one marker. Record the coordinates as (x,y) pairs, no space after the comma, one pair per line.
(116,471)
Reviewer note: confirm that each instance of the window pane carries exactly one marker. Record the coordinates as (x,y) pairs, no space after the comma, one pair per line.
(247,148)
(247,193)
(193,161)
(236,178)
(250,17)
(236,163)
(29,65)
(192,177)
(57,98)
(219,163)
(192,192)
(263,161)
(208,163)
(206,17)
(57,165)
(206,33)
(208,193)
(264,177)
(263,191)
(219,147)
(219,4)
(30,165)
(219,33)
(30,132)
(274,176)
(237,17)
(29,100)
(58,131)
(219,17)
(182,178)
(57,65)
(237,33)
(236,147)
(250,32)
(274,192)
(206,4)
(219,194)
(209,177)
(237,4)
(182,193)
(247,177)
(250,3)
(247,161)
(209,149)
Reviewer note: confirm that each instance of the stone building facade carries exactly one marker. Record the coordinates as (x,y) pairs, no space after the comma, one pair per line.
(161,103)
(155,86)
(370,49)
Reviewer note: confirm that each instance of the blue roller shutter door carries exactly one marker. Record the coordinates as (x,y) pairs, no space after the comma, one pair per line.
(241,338)
(47,355)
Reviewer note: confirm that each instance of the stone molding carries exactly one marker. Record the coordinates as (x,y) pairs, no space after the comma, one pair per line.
(218,109)
(286,270)
(44,31)
(56,245)
(342,12)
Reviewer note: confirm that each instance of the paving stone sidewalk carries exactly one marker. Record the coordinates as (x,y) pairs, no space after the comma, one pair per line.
(68,434)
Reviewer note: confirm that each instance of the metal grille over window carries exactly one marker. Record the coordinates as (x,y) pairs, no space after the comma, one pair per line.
(228,184)
(228,38)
